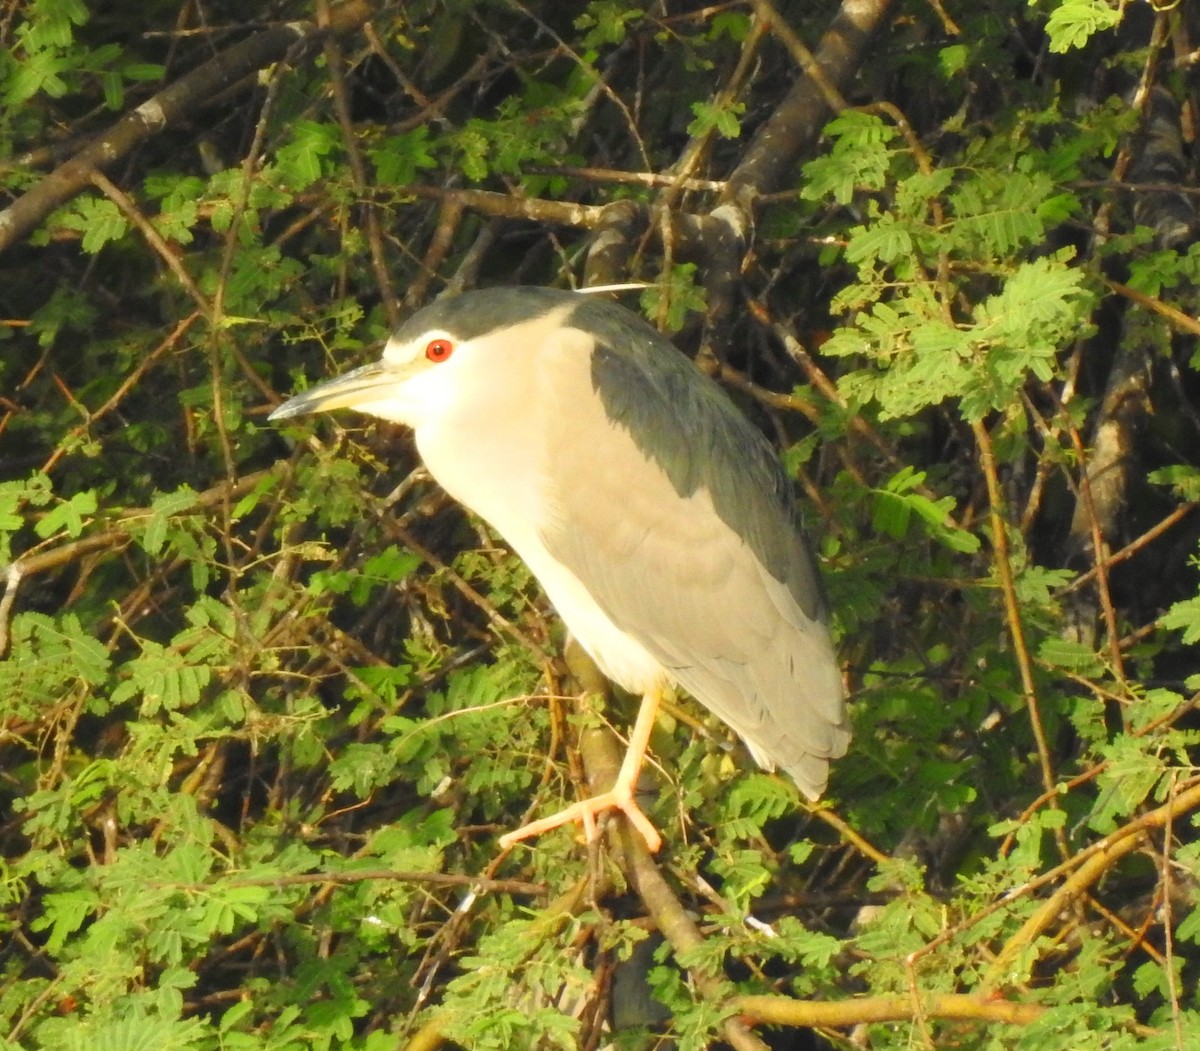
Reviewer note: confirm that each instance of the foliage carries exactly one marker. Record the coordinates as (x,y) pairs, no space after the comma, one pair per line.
(267,700)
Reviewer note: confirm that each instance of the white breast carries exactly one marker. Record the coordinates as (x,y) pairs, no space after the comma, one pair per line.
(488,450)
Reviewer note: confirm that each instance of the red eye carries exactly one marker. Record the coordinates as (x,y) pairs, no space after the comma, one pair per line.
(438,350)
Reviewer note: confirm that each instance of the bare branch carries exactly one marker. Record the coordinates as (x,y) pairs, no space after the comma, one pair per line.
(783,1010)
(797,121)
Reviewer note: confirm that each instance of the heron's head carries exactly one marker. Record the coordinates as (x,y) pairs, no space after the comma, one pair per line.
(465,349)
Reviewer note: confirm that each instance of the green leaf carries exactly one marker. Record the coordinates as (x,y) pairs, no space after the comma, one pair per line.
(1036,584)
(41,72)
(97,218)
(15,497)
(163,679)
(896,504)
(362,768)
(63,913)
(885,241)
(1074,22)
(138,71)
(398,158)
(67,516)
(720,117)
(389,566)
(953,59)
(1182,478)
(605,22)
(1150,979)
(996,213)
(860,158)
(47,648)
(1073,656)
(161,522)
(675,295)
(1184,616)
(301,161)
(1132,770)
(734,24)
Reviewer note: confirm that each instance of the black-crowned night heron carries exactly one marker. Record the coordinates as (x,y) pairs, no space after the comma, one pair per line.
(656,518)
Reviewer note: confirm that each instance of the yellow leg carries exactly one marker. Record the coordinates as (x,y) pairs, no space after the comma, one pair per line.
(619,797)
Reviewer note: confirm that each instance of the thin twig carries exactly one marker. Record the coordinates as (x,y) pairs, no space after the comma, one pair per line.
(161,111)
(1089,864)
(633,178)
(434,879)
(351,140)
(1012,608)
(153,238)
(1175,317)
(12,583)
(1168,924)
(1099,553)
(1130,549)
(800,53)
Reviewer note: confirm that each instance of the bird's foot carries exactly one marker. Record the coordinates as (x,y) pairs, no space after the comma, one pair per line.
(619,797)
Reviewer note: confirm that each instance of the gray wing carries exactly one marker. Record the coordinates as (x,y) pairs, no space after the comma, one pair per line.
(669,571)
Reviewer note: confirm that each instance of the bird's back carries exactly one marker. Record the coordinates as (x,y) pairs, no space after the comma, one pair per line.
(676,518)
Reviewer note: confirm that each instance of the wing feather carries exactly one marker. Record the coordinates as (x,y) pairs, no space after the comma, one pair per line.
(673,575)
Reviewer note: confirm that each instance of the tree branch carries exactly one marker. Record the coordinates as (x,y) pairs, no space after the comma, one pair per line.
(602,761)
(783,1010)
(160,111)
(1100,858)
(798,119)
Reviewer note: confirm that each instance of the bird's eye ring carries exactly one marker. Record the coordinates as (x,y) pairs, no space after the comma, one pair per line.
(438,350)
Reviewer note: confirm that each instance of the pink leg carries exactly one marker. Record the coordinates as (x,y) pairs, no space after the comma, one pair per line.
(619,797)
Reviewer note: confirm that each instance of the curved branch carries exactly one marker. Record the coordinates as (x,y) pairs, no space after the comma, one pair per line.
(1100,858)
(160,111)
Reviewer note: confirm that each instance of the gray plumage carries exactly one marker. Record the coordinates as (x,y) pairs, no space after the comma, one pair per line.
(656,517)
